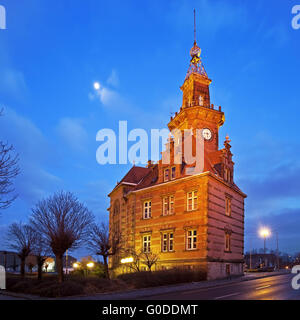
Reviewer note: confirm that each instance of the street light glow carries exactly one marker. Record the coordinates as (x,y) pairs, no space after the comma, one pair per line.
(127,260)
(264,232)
(90,265)
(75,265)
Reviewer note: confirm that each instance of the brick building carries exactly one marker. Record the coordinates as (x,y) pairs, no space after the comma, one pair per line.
(189,218)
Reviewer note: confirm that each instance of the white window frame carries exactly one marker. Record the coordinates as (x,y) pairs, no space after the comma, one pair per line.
(168,205)
(191,239)
(167,242)
(194,200)
(147,209)
(147,243)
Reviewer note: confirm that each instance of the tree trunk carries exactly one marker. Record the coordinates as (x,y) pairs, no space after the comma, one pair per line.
(22,270)
(106,267)
(59,268)
(40,266)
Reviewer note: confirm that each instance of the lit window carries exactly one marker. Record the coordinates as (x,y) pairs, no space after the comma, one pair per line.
(147,210)
(191,240)
(147,243)
(168,205)
(166,176)
(192,201)
(167,242)
(228,206)
(173,173)
(227,242)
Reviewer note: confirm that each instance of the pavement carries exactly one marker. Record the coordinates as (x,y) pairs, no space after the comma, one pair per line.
(254,286)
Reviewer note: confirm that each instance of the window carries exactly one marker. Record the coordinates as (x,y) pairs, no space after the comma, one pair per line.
(147,243)
(166,176)
(167,242)
(201,101)
(227,242)
(192,200)
(168,205)
(147,210)
(173,173)
(228,206)
(191,240)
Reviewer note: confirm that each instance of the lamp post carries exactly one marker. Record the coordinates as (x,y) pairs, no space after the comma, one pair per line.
(265,233)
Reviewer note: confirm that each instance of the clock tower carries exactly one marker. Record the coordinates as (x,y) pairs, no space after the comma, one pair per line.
(196,111)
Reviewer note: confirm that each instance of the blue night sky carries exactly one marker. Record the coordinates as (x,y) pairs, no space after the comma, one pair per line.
(53,51)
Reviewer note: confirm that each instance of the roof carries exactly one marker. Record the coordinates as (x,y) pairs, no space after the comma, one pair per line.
(135,175)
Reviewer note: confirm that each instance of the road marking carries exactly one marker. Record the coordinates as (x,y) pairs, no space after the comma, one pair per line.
(262,287)
(227,296)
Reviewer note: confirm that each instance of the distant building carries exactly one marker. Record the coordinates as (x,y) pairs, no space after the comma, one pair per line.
(10,261)
(260,260)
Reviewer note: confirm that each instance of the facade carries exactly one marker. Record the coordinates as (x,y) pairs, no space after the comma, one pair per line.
(190,219)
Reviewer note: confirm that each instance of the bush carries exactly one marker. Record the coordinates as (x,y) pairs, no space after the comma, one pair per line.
(160,278)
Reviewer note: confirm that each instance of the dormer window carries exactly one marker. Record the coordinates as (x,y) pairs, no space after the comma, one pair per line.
(166,175)
(173,173)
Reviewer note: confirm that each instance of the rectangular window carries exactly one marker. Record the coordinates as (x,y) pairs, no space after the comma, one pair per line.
(192,201)
(166,175)
(227,242)
(191,240)
(147,210)
(147,243)
(168,205)
(167,242)
(173,173)
(228,206)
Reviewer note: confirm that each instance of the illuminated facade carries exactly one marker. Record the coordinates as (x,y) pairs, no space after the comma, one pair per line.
(188,220)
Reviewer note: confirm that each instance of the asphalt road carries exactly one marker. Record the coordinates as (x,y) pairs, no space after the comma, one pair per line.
(270,288)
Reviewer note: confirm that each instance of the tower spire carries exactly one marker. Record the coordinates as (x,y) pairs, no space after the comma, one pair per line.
(196,65)
(195,38)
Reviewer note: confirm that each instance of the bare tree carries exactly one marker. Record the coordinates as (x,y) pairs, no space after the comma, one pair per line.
(41,251)
(21,238)
(64,224)
(135,265)
(149,259)
(101,244)
(8,171)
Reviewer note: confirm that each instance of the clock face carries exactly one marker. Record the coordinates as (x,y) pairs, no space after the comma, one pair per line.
(207,134)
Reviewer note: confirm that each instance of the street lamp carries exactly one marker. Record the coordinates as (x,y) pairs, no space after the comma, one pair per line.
(265,233)
(90,265)
(76,265)
(127,260)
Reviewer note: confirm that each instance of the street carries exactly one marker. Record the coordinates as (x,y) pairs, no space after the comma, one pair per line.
(270,288)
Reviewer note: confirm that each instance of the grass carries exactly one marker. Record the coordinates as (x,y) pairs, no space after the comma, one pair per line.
(73,285)
(79,285)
